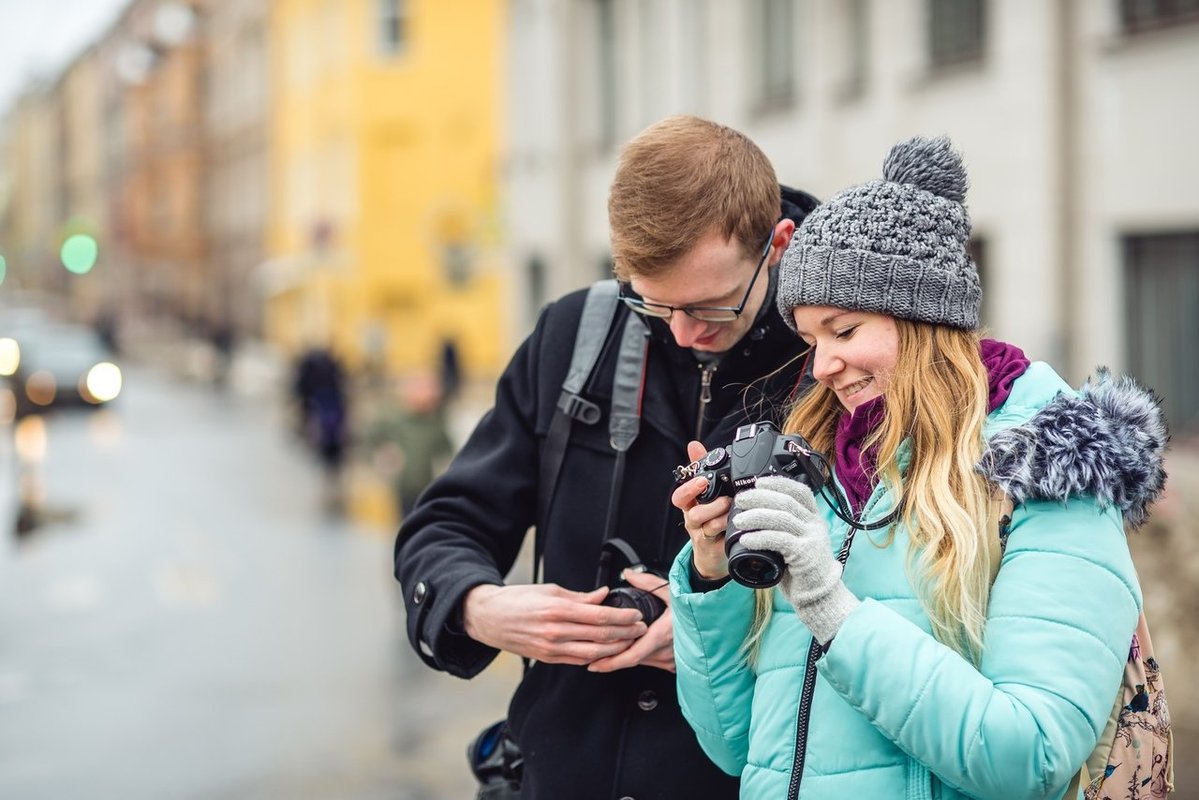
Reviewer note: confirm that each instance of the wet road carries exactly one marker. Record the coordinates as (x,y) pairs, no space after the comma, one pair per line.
(187,623)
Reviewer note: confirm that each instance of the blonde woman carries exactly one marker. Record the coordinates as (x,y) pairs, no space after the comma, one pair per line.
(918,645)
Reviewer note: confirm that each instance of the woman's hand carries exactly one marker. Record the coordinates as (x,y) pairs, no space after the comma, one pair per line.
(705,522)
(780,514)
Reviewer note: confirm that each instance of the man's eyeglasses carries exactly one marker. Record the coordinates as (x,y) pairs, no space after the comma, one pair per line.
(701,313)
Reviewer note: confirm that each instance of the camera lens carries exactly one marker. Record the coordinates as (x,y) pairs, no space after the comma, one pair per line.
(648,603)
(757,569)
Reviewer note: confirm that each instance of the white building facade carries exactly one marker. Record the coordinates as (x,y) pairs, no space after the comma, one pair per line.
(1078,120)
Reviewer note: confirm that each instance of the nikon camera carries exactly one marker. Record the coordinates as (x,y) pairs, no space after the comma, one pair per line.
(757,450)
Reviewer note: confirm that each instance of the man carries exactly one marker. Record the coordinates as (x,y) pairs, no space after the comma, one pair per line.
(696,230)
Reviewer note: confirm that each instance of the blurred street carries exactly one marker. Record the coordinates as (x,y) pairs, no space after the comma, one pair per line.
(187,623)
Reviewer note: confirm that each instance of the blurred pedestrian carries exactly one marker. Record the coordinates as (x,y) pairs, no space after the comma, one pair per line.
(451,369)
(321,397)
(223,340)
(106,327)
(409,438)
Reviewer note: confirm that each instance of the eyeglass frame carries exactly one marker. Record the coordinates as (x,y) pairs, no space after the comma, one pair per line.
(644,308)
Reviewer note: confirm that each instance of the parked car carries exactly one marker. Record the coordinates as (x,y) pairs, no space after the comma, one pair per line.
(60,365)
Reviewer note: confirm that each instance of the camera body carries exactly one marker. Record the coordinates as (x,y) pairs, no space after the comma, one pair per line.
(757,450)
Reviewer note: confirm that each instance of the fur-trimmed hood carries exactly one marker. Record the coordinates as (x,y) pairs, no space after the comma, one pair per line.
(1107,442)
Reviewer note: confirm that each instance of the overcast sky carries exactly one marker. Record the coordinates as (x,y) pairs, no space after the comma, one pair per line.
(40,37)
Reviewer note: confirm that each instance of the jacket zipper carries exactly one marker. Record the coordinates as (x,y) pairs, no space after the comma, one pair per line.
(815,651)
(705,396)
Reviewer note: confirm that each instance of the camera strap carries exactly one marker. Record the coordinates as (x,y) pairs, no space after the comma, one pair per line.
(613,546)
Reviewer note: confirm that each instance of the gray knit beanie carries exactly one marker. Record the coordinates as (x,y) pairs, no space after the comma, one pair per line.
(895,246)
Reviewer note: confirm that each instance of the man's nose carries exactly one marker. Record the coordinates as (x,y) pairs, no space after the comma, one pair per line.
(685,329)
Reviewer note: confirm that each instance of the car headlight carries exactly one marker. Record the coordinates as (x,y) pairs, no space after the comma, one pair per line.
(10,356)
(103,381)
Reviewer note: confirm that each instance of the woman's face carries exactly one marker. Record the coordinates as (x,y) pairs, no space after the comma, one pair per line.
(855,350)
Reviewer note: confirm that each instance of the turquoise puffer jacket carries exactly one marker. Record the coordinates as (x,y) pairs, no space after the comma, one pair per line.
(896,714)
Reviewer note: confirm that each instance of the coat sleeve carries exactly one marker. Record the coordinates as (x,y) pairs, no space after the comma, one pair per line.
(1062,612)
(468,525)
(715,682)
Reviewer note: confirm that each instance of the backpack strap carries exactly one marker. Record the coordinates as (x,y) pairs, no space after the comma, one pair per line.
(599,309)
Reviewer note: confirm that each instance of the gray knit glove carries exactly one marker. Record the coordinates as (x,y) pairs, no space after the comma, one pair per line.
(780,514)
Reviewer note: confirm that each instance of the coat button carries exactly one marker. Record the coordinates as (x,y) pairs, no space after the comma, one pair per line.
(418,594)
(647,701)
(626,797)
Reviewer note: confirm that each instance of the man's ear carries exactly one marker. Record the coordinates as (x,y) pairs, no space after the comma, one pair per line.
(783,231)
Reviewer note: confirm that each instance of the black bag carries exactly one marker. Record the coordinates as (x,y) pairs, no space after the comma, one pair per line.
(496,763)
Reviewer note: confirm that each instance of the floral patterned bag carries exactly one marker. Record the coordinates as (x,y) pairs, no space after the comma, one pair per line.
(1133,757)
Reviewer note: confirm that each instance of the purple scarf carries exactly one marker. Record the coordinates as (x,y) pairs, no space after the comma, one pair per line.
(856,470)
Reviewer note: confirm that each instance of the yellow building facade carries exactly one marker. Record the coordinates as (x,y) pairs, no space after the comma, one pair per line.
(384,142)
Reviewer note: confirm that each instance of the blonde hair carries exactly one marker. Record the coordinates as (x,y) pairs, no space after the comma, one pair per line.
(677,181)
(936,401)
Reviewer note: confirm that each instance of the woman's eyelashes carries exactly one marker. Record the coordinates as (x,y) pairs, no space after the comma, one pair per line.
(846,333)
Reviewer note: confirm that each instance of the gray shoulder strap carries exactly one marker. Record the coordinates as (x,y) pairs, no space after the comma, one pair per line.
(598,309)
(624,422)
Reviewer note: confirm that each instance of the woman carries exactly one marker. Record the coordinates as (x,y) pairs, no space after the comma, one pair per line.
(930,648)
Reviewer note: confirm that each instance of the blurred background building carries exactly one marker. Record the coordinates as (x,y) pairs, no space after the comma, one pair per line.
(1077,120)
(381,228)
(295,171)
(386,175)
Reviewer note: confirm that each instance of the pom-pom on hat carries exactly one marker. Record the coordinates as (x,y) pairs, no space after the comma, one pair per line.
(895,246)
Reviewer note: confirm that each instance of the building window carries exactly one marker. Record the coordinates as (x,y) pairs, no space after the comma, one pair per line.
(772,42)
(697,85)
(956,31)
(392,26)
(652,44)
(1137,16)
(456,263)
(606,67)
(857,47)
(1162,280)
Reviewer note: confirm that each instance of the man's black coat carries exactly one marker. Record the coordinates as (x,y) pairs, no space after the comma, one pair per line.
(585,735)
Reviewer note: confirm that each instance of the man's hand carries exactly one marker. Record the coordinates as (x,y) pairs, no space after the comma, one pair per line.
(547,623)
(656,647)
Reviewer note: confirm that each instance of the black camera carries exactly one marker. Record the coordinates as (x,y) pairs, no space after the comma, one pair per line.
(757,450)
(624,596)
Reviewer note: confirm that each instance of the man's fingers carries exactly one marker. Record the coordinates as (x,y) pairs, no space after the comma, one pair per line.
(648,582)
(631,657)
(695,451)
(655,649)
(573,632)
(581,653)
(584,608)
